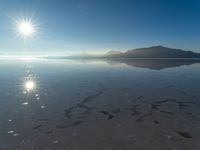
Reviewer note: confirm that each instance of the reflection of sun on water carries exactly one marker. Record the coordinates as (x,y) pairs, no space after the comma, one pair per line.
(30,90)
(29,85)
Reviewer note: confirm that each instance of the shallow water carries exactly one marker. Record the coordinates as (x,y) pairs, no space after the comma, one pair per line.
(99,105)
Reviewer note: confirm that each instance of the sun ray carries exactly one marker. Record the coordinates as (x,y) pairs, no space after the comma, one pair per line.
(26,28)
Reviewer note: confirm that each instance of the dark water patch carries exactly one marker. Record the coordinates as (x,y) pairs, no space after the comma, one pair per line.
(156,122)
(167,112)
(37,126)
(184,134)
(104,112)
(75,123)
(108,115)
(62,126)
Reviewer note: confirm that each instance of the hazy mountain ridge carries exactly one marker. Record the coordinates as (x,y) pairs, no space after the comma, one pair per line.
(155,52)
(148,52)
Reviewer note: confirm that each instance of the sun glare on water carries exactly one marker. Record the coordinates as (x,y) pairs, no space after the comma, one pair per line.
(29,85)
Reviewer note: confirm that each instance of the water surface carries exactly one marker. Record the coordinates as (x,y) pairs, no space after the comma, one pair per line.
(99,104)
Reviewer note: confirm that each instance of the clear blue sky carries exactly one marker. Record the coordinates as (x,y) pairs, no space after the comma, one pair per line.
(100,25)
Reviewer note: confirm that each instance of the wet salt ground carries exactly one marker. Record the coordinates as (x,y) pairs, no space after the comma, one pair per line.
(81,106)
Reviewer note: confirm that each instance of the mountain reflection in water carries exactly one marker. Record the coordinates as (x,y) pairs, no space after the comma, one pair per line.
(155,64)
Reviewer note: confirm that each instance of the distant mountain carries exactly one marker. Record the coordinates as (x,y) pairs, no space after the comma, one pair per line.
(149,52)
(154,52)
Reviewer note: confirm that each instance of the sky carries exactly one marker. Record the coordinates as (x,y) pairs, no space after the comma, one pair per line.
(95,26)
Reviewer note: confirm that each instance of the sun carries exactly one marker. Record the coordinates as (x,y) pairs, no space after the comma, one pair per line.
(25,28)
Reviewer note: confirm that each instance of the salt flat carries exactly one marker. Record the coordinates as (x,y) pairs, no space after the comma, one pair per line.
(99,105)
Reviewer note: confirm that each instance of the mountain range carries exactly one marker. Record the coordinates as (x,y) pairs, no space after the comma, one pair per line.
(153,52)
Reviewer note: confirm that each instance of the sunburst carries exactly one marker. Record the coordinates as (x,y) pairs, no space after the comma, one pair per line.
(26,28)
